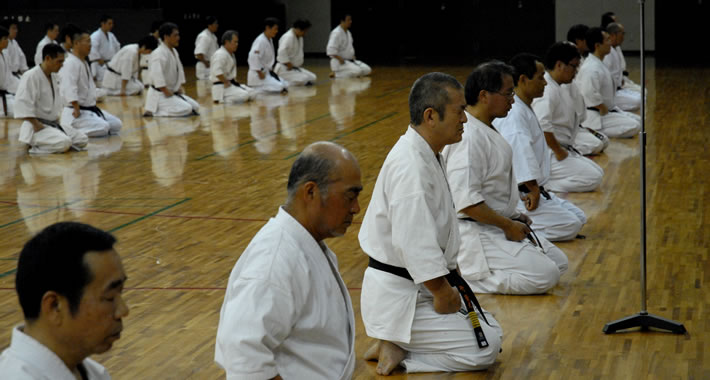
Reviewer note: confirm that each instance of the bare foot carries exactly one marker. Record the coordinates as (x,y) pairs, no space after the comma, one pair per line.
(390,355)
(374,352)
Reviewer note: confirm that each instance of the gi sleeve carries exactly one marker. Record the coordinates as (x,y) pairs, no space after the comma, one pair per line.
(126,65)
(285,45)
(26,97)
(256,320)
(255,54)
(202,45)
(590,87)
(218,63)
(95,53)
(155,66)
(334,43)
(69,82)
(467,167)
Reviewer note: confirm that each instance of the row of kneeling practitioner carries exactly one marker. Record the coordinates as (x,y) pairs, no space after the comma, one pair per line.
(465,202)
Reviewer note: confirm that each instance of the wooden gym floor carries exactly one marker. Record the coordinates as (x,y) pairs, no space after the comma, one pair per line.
(185,196)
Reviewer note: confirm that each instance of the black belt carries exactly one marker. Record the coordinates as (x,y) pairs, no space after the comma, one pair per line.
(52,124)
(273,74)
(532,236)
(524,189)
(234,82)
(454,280)
(597,109)
(3,94)
(17,74)
(93,109)
(112,70)
(573,149)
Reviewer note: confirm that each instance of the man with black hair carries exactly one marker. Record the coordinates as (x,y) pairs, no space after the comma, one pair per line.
(500,252)
(14,57)
(410,233)
(341,51)
(122,70)
(290,55)
(628,93)
(166,96)
(559,118)
(7,98)
(555,218)
(79,92)
(104,45)
(300,323)
(52,31)
(223,73)
(262,57)
(607,18)
(38,101)
(205,46)
(577,35)
(597,88)
(69,282)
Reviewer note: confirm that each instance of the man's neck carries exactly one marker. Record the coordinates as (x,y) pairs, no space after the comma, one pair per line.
(599,55)
(480,112)
(555,76)
(424,133)
(81,58)
(45,70)
(523,96)
(36,332)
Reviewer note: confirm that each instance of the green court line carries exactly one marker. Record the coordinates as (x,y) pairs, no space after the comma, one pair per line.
(254,140)
(134,221)
(39,213)
(8,273)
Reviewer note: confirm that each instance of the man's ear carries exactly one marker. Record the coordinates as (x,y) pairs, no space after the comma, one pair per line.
(52,307)
(310,190)
(428,115)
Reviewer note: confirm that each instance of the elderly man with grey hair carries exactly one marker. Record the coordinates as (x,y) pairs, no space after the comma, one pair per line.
(287,312)
(223,73)
(410,232)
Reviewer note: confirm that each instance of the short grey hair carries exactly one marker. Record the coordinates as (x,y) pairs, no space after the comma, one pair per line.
(614,28)
(228,35)
(430,91)
(310,167)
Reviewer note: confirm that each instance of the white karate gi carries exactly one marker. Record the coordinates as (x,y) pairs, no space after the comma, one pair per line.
(291,50)
(224,63)
(76,84)
(555,111)
(597,87)
(16,61)
(27,358)
(480,168)
(410,223)
(38,98)
(205,44)
(40,45)
(628,83)
(624,98)
(9,97)
(262,58)
(103,46)
(286,311)
(556,218)
(145,61)
(123,66)
(340,43)
(585,141)
(166,71)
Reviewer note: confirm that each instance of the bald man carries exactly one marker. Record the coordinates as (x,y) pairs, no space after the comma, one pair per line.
(300,323)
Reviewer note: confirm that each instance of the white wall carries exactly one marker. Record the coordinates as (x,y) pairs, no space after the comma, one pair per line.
(318,13)
(589,12)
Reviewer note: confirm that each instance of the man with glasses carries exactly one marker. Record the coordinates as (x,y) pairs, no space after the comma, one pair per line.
(499,253)
(556,218)
(559,119)
(597,88)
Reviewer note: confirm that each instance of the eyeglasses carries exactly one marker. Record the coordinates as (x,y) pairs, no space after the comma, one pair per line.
(509,95)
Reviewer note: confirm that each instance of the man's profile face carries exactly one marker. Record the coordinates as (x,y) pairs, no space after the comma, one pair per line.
(12,31)
(3,43)
(213,27)
(107,25)
(450,129)
(54,64)
(347,22)
(53,33)
(82,46)
(97,322)
(341,202)
(605,46)
(538,82)
(501,101)
(232,45)
(569,70)
(271,31)
(172,39)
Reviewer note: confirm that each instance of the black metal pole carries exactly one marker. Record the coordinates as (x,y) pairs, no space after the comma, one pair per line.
(643,319)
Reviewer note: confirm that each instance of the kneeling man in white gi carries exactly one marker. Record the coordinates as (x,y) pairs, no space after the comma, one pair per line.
(223,73)
(287,312)
(597,88)
(341,51)
(205,46)
(39,103)
(499,252)
(557,218)
(262,57)
(556,112)
(289,59)
(121,77)
(79,93)
(165,96)
(69,282)
(408,298)
(628,94)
